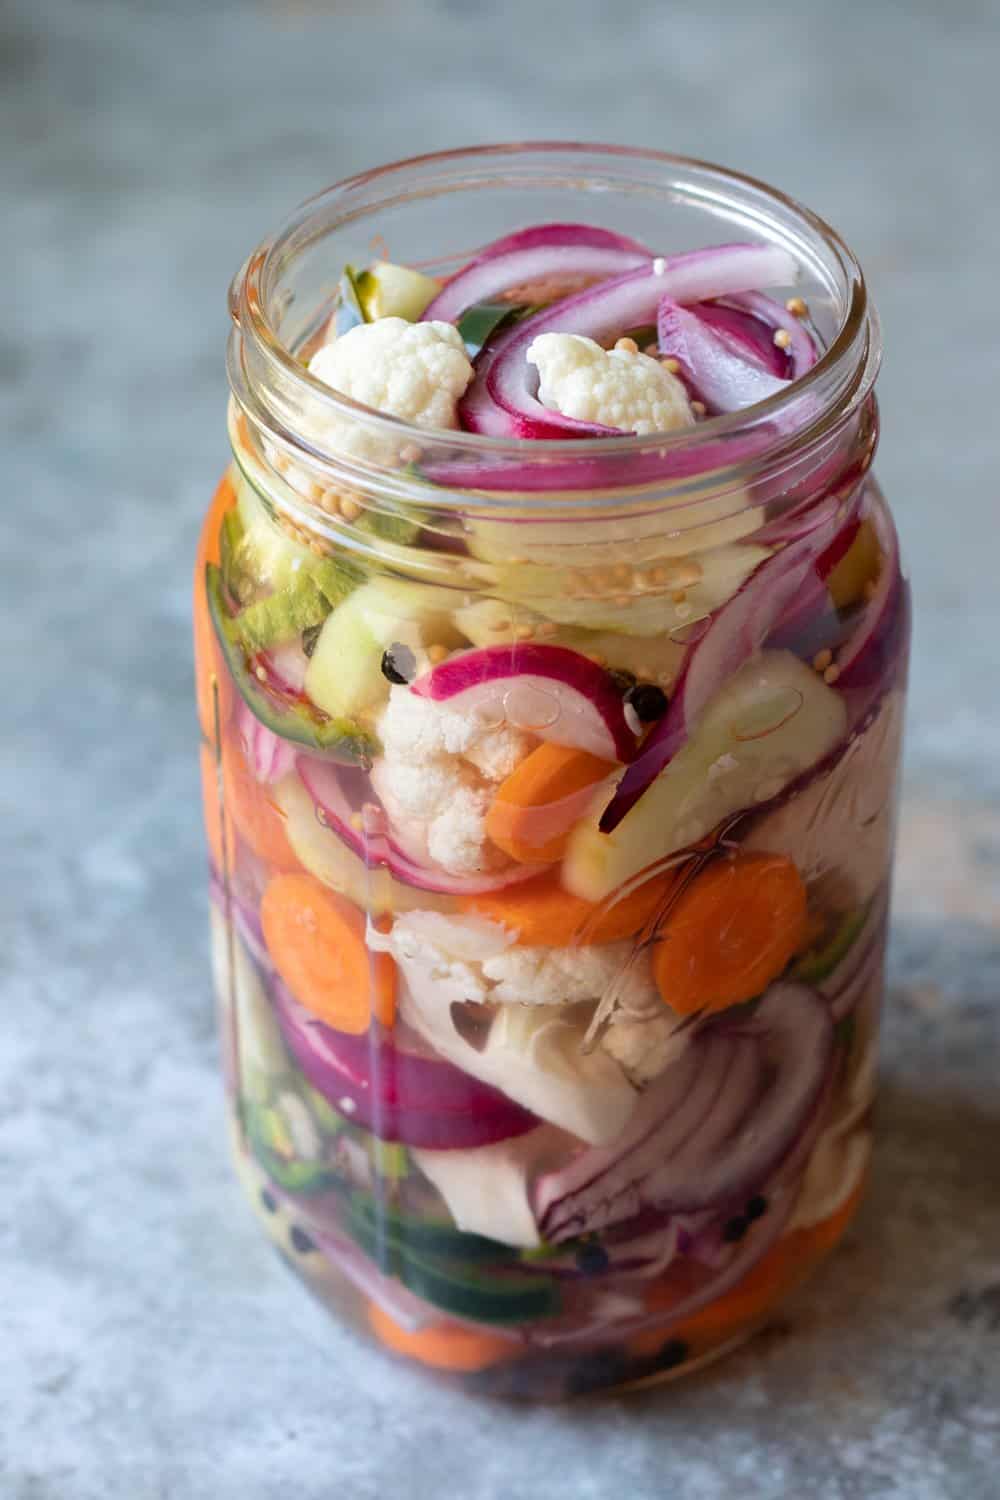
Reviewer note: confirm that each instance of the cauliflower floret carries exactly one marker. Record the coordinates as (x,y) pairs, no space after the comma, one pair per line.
(495,755)
(555,976)
(644,1047)
(416,789)
(417,371)
(435,779)
(456,837)
(524,976)
(418,729)
(611,386)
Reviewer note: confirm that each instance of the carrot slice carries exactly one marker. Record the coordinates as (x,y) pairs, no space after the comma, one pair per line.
(775,1276)
(317,942)
(218,829)
(444,1346)
(537,805)
(213,685)
(545,915)
(250,804)
(730,933)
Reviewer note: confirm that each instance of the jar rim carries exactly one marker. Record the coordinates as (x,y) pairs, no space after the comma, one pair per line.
(836,385)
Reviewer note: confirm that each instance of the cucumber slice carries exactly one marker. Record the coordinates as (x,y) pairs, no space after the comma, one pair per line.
(773,719)
(298,722)
(348,312)
(489,622)
(390,291)
(262,1060)
(258,552)
(345,675)
(555,592)
(261,549)
(450,1285)
(273,1145)
(426,1235)
(820,962)
(282,616)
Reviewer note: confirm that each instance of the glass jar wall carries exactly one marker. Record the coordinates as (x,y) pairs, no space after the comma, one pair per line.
(549,793)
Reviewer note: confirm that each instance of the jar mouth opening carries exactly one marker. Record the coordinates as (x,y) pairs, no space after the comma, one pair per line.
(831,390)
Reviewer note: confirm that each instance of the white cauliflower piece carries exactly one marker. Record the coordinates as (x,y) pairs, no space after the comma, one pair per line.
(521,976)
(435,779)
(418,729)
(417,371)
(496,754)
(456,838)
(419,789)
(644,1047)
(611,386)
(556,976)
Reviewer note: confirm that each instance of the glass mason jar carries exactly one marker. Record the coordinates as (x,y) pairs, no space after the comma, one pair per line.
(552,1076)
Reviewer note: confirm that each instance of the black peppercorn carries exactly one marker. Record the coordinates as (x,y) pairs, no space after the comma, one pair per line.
(735,1229)
(592,1258)
(673,1353)
(757,1207)
(398,663)
(648,701)
(301,1241)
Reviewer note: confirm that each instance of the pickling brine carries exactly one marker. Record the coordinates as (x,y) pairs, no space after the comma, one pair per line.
(551,647)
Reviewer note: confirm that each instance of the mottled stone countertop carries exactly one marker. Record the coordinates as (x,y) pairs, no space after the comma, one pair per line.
(150,1345)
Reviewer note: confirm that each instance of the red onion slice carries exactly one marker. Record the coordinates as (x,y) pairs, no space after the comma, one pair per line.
(736,1145)
(267,754)
(752,319)
(342,793)
(739,629)
(870,656)
(716,369)
(535,254)
(550,691)
(399,1096)
(601,312)
(599,1188)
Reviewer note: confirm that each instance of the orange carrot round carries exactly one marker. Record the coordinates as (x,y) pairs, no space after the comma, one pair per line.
(730,933)
(536,807)
(213,688)
(251,805)
(444,1346)
(316,940)
(545,915)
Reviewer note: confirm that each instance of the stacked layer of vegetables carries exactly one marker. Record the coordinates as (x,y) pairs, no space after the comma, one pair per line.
(550,912)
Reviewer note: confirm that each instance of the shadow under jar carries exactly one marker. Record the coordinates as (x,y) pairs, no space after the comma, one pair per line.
(550,780)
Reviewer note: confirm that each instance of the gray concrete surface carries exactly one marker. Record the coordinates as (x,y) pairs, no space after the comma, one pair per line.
(150,1347)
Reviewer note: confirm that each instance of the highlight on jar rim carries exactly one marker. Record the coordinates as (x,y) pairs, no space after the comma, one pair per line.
(551,644)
